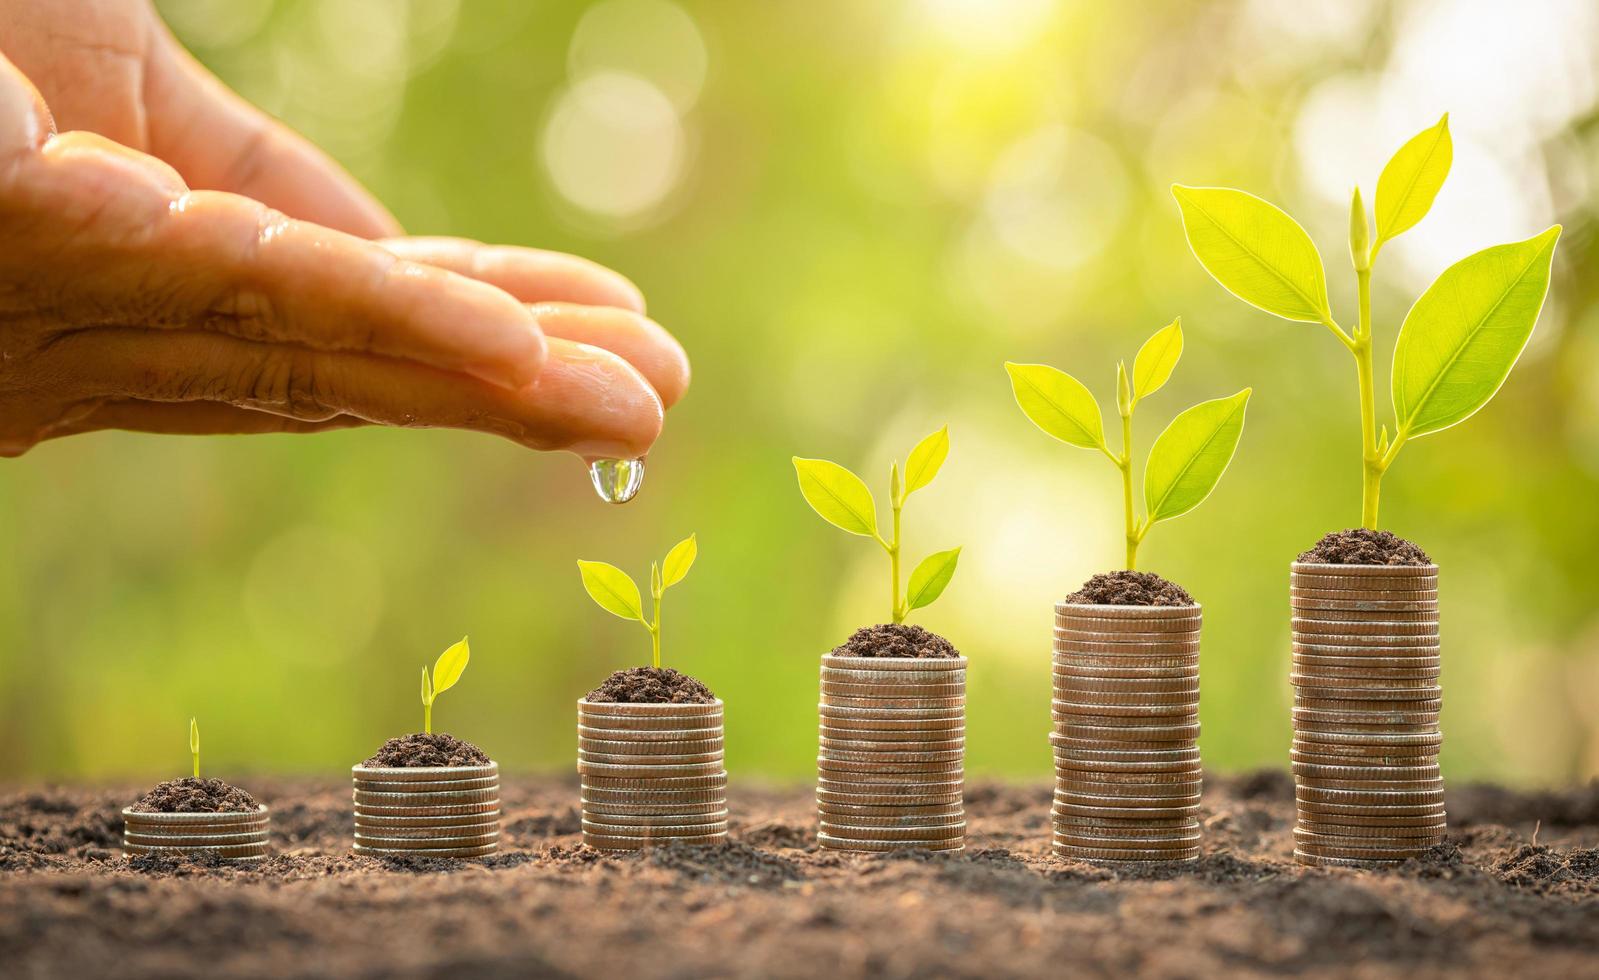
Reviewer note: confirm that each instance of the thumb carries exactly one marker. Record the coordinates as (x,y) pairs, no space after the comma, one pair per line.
(218,141)
(25,121)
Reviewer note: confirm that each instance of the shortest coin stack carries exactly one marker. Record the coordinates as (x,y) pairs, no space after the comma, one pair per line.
(891,770)
(228,836)
(651,773)
(1366,699)
(427,811)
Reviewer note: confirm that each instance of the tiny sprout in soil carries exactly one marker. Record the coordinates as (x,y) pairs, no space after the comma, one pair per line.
(843,500)
(1460,339)
(194,745)
(446,671)
(616,593)
(1186,461)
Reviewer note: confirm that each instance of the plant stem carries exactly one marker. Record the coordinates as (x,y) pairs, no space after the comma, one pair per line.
(427,719)
(197,765)
(893,561)
(655,634)
(1372,464)
(1125,464)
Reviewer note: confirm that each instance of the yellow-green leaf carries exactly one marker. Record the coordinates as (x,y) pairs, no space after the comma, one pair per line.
(679,560)
(1124,390)
(194,736)
(1465,333)
(930,577)
(1156,359)
(925,460)
(1188,459)
(1256,251)
(1057,403)
(612,589)
(838,495)
(427,686)
(447,669)
(1411,180)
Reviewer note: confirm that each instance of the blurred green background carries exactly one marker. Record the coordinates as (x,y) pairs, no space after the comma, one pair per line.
(851,214)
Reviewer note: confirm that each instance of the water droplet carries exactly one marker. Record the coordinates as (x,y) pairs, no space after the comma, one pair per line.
(617,480)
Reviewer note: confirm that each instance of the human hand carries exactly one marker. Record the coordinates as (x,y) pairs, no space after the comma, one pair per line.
(128,300)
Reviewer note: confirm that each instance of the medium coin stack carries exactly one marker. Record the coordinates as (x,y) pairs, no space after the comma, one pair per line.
(1126,731)
(427,811)
(651,773)
(891,767)
(1366,700)
(230,836)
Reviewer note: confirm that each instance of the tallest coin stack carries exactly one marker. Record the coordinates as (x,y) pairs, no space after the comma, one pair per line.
(1366,700)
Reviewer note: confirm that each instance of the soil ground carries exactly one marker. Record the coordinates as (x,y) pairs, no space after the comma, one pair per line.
(769,904)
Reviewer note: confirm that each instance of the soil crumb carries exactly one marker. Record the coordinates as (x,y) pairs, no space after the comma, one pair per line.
(190,795)
(419,750)
(1128,588)
(650,685)
(896,640)
(1364,546)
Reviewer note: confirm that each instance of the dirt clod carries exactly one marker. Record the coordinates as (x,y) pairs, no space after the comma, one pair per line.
(895,640)
(1364,546)
(190,795)
(418,750)
(1128,588)
(650,685)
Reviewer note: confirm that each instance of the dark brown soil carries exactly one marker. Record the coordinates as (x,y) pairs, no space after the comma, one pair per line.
(650,685)
(1489,902)
(190,795)
(895,640)
(1363,546)
(1127,588)
(418,750)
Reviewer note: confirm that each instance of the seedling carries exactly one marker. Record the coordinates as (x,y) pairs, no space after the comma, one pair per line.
(1459,340)
(1186,461)
(446,671)
(194,745)
(844,501)
(617,594)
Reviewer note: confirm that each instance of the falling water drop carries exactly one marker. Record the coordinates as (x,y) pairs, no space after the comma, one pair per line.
(617,480)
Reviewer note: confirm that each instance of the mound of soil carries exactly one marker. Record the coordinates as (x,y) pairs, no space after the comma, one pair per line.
(1127,588)
(1493,901)
(190,795)
(895,640)
(419,750)
(1364,546)
(650,685)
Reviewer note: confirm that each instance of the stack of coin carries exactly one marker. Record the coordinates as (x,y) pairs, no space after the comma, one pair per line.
(891,768)
(1126,714)
(229,836)
(1366,699)
(427,811)
(651,773)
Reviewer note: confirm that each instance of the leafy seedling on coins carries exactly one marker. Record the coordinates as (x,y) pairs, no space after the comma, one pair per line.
(446,671)
(843,500)
(1461,337)
(1185,462)
(616,593)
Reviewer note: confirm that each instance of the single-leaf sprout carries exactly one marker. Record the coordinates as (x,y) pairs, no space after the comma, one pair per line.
(616,593)
(194,745)
(1186,461)
(1460,339)
(446,671)
(843,500)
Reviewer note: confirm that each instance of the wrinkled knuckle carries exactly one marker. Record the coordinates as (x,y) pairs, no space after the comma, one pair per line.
(291,383)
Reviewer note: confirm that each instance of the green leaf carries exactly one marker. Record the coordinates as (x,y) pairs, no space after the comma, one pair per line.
(1359,233)
(1256,251)
(612,589)
(427,687)
(1156,359)
(838,495)
(925,460)
(930,577)
(1189,458)
(1057,403)
(1411,180)
(194,736)
(679,560)
(447,669)
(1460,340)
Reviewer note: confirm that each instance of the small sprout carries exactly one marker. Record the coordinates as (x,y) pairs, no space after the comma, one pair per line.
(194,745)
(446,671)
(842,499)
(1187,460)
(615,592)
